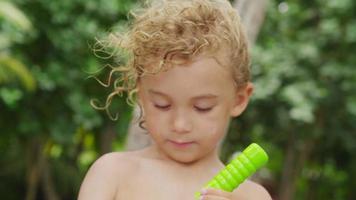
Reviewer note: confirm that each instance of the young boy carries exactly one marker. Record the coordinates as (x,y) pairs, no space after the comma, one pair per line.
(189,67)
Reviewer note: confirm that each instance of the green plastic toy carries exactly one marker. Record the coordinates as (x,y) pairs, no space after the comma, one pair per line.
(239,169)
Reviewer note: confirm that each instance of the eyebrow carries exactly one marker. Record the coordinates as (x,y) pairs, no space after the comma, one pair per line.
(203,96)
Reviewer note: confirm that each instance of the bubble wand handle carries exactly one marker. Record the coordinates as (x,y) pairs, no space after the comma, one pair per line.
(239,169)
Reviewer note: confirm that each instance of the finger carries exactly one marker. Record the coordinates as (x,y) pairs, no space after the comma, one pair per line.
(216,192)
(212,197)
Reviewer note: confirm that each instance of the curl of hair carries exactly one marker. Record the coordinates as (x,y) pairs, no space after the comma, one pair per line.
(165,33)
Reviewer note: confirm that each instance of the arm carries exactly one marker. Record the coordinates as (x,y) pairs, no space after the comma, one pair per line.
(100,181)
(251,190)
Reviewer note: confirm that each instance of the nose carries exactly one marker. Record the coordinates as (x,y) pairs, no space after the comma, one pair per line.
(182,123)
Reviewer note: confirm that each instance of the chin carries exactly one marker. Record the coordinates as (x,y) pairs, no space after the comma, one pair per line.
(184,159)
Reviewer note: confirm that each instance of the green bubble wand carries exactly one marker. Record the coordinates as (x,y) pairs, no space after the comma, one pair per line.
(239,169)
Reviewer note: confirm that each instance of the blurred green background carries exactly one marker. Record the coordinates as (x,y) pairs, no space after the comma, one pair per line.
(303,111)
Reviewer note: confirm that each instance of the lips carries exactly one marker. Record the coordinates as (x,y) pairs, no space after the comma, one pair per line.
(181,144)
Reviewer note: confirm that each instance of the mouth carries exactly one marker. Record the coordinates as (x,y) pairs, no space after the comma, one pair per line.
(181,144)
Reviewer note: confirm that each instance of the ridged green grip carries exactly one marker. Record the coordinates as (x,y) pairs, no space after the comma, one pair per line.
(239,169)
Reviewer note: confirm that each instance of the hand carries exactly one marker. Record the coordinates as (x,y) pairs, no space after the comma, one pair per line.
(215,194)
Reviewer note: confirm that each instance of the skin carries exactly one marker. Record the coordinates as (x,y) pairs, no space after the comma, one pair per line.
(193,104)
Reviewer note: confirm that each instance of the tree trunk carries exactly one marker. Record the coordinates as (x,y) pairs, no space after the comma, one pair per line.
(293,166)
(137,137)
(107,138)
(38,171)
(286,189)
(47,183)
(252,14)
(33,168)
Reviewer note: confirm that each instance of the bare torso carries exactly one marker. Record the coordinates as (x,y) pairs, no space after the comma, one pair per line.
(144,174)
(151,178)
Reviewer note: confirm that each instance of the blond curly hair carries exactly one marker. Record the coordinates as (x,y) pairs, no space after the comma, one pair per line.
(164,33)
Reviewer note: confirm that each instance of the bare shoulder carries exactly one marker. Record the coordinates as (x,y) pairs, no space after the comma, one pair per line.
(115,163)
(105,175)
(251,190)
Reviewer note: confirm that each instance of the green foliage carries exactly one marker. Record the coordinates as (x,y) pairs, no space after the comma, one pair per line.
(304,100)
(304,76)
(14,28)
(11,67)
(45,59)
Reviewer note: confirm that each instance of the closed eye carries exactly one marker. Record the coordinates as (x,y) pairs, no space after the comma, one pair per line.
(203,109)
(164,107)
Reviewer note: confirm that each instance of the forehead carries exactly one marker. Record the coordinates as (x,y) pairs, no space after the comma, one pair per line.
(203,75)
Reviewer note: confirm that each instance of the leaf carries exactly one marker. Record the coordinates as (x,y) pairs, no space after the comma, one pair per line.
(5,41)
(10,96)
(15,16)
(351,105)
(12,66)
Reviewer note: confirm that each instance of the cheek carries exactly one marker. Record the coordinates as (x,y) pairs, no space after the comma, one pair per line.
(155,120)
(214,127)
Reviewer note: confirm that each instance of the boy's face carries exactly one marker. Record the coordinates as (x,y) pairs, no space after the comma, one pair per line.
(187,109)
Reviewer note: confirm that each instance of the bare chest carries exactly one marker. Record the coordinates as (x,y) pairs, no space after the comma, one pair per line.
(151,183)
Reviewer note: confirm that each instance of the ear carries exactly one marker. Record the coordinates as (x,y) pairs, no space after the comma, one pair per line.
(241,99)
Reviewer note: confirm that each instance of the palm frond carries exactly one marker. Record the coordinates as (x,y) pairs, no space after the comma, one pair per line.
(12,69)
